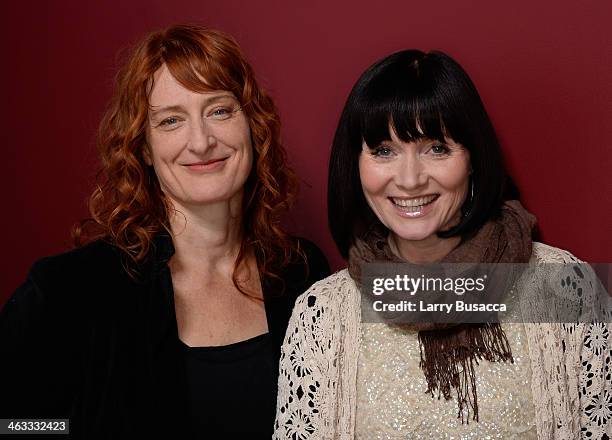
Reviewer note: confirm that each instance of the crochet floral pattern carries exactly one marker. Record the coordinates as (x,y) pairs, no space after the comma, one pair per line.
(571,363)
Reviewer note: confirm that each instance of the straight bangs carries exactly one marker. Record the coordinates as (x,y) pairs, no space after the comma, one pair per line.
(410,103)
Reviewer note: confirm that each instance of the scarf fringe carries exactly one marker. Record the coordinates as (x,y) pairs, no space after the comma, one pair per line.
(448,360)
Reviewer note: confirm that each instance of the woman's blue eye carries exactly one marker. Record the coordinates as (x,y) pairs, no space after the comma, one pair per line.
(439,149)
(221,113)
(168,121)
(382,151)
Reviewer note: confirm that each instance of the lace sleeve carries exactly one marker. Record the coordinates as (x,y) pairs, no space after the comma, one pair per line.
(593,342)
(308,370)
(595,381)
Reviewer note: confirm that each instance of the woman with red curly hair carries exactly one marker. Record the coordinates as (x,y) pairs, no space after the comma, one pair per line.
(168,318)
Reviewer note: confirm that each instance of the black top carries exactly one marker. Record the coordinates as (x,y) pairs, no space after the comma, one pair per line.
(229,388)
(82,340)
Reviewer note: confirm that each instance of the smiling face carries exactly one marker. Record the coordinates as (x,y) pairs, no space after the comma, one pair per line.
(198,143)
(415,188)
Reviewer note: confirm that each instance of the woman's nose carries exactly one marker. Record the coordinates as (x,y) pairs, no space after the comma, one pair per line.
(201,137)
(411,173)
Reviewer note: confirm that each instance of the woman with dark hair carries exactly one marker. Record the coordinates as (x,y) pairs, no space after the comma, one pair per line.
(167,319)
(417,176)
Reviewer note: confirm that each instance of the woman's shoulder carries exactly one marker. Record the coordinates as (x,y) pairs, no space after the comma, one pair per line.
(61,291)
(69,277)
(304,267)
(90,263)
(334,291)
(315,259)
(564,282)
(557,267)
(96,256)
(338,282)
(543,253)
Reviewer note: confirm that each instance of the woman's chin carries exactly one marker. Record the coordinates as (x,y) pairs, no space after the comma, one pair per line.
(414,236)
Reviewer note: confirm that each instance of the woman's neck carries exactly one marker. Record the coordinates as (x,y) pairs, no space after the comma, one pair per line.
(430,250)
(206,236)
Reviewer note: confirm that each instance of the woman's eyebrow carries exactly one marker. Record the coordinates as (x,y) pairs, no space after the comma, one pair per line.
(220,97)
(179,108)
(169,108)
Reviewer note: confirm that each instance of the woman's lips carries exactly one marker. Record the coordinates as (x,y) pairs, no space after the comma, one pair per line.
(414,207)
(210,165)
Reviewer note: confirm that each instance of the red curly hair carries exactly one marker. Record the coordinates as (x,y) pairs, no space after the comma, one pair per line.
(128,207)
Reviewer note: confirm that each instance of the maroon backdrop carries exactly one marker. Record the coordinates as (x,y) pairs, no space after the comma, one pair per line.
(544,70)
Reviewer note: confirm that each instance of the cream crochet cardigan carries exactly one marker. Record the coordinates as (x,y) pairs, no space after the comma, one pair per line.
(571,363)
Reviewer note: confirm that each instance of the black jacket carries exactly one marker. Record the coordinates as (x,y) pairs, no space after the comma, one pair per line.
(82,340)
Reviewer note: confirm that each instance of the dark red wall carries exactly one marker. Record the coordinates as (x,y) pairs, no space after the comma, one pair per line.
(544,70)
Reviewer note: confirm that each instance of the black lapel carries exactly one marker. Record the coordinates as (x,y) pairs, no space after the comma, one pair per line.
(165,357)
